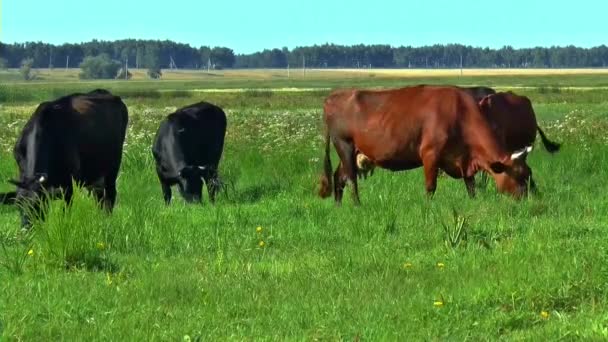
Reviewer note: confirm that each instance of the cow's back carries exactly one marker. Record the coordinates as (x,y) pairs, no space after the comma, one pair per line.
(512,117)
(101,119)
(202,128)
(95,129)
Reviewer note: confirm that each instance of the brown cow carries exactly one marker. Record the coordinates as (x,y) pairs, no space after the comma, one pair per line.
(400,129)
(513,120)
(365,167)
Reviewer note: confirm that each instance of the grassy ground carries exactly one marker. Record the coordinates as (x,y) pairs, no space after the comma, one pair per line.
(393,269)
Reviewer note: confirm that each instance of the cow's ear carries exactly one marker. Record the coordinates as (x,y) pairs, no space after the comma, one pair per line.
(498,167)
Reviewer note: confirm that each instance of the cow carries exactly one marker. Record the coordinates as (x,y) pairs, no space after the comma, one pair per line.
(479,93)
(365,167)
(78,137)
(436,127)
(513,120)
(187,148)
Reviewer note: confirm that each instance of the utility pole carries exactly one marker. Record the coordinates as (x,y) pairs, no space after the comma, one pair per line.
(208,63)
(67,62)
(50,58)
(461,64)
(127,68)
(287,70)
(304,65)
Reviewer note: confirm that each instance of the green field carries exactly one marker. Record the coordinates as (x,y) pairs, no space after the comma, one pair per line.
(392,269)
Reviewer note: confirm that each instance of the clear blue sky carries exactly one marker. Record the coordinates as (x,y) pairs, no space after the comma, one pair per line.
(248,26)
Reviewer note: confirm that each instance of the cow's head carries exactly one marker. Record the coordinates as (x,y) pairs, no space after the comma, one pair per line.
(513,176)
(29,188)
(30,192)
(191,182)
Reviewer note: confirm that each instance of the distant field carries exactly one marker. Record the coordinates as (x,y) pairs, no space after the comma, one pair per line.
(392,269)
(56,75)
(190,83)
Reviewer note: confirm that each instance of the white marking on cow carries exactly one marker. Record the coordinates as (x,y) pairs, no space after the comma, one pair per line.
(521,152)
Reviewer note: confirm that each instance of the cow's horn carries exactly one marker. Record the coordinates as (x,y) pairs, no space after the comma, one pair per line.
(202,168)
(521,152)
(41,179)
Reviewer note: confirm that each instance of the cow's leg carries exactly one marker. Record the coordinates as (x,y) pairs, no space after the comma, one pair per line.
(108,195)
(339,183)
(470,184)
(166,192)
(166,188)
(213,183)
(346,151)
(431,171)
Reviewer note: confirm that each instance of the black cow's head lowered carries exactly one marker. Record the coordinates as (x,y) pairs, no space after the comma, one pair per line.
(191,182)
(30,190)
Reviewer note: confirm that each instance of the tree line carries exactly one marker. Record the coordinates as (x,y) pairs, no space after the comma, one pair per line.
(155,54)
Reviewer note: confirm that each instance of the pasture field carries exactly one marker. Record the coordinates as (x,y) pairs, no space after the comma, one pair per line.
(399,267)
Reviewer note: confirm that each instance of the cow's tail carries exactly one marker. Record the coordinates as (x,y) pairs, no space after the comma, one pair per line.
(8,197)
(325,189)
(551,146)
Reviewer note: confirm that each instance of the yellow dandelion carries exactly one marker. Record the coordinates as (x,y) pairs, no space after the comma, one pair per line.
(544,314)
(440,265)
(438,303)
(101,246)
(262,244)
(407,265)
(30,252)
(108,279)
(258,229)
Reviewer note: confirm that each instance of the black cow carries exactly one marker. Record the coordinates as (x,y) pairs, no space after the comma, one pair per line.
(479,93)
(188,146)
(76,137)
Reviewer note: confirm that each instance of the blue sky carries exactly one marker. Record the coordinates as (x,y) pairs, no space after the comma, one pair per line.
(248,26)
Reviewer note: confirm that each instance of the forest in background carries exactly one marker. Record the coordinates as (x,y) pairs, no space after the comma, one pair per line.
(169,54)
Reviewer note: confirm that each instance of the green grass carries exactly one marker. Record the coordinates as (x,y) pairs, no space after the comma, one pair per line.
(150,272)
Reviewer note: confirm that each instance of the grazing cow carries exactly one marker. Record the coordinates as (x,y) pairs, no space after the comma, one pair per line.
(76,137)
(188,146)
(513,120)
(365,167)
(400,129)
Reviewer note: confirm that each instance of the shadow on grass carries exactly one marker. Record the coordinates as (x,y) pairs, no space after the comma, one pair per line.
(255,193)
(93,262)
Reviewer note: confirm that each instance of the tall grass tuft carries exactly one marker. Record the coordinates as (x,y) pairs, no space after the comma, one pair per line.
(74,236)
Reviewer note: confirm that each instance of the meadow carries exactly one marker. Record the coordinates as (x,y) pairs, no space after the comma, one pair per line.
(273,261)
